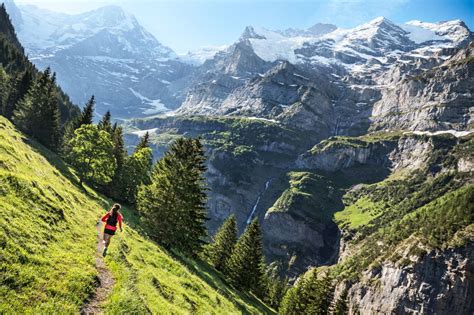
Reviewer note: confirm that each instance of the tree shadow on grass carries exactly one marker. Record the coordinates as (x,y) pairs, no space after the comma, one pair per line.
(216,280)
(199,268)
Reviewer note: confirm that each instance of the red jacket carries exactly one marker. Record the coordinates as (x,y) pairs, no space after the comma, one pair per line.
(111,227)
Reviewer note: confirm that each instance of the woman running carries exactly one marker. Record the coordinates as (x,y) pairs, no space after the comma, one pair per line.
(111,218)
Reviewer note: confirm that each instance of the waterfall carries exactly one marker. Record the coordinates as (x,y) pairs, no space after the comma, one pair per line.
(254,208)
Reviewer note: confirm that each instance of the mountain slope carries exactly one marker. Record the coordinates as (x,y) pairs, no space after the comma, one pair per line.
(104,52)
(407,237)
(48,241)
(14,61)
(378,75)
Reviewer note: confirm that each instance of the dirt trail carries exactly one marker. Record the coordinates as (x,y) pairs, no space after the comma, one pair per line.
(94,306)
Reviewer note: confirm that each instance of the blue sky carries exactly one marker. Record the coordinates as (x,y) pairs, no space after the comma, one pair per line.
(188,24)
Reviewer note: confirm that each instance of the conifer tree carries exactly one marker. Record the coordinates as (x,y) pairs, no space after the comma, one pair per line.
(115,188)
(275,287)
(38,112)
(341,307)
(85,118)
(144,142)
(310,295)
(173,205)
(106,123)
(18,89)
(4,88)
(224,243)
(136,172)
(87,114)
(246,264)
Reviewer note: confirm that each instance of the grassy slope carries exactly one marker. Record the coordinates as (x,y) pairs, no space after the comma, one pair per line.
(47,247)
(432,212)
(307,197)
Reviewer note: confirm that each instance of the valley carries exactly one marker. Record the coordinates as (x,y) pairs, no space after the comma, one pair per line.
(353,148)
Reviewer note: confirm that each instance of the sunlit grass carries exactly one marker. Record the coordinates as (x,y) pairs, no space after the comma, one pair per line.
(48,246)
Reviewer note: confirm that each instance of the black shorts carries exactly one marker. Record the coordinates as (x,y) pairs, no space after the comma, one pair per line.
(110,232)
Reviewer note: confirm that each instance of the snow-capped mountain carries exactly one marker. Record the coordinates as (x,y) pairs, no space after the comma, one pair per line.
(284,75)
(376,40)
(105,52)
(345,73)
(108,31)
(199,56)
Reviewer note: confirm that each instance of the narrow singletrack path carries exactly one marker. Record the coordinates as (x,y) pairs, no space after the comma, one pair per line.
(106,281)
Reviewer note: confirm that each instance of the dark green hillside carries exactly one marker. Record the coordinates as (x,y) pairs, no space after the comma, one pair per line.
(48,244)
(16,64)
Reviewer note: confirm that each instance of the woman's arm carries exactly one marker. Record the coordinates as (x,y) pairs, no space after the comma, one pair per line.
(105,217)
(120,221)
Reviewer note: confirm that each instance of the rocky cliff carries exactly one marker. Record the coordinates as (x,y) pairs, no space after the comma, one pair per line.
(440,282)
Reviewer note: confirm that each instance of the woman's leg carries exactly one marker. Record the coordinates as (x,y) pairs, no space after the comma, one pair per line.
(107,242)
(106,239)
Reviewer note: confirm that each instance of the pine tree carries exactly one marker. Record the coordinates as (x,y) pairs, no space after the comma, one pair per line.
(87,114)
(85,118)
(224,243)
(276,287)
(291,303)
(246,264)
(18,89)
(38,112)
(327,292)
(144,142)
(341,307)
(310,295)
(4,88)
(115,187)
(313,296)
(173,205)
(106,123)
(136,172)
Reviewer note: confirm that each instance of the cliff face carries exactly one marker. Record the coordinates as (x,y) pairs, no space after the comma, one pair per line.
(298,230)
(441,282)
(437,98)
(246,158)
(392,152)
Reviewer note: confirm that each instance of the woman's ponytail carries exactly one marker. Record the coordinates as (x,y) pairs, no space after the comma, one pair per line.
(115,208)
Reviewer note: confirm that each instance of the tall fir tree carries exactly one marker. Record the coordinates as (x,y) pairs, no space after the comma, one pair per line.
(144,142)
(115,187)
(18,89)
(106,123)
(224,244)
(85,118)
(291,303)
(173,205)
(136,172)
(341,306)
(4,89)
(38,112)
(246,264)
(310,295)
(275,287)
(87,114)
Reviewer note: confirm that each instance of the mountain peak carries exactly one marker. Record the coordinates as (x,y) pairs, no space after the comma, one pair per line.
(249,32)
(380,20)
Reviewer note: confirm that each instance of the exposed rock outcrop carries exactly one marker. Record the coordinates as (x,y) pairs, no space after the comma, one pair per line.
(441,282)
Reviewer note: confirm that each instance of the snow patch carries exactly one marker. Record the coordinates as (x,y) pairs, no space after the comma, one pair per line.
(263,119)
(141,133)
(420,34)
(155,106)
(455,133)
